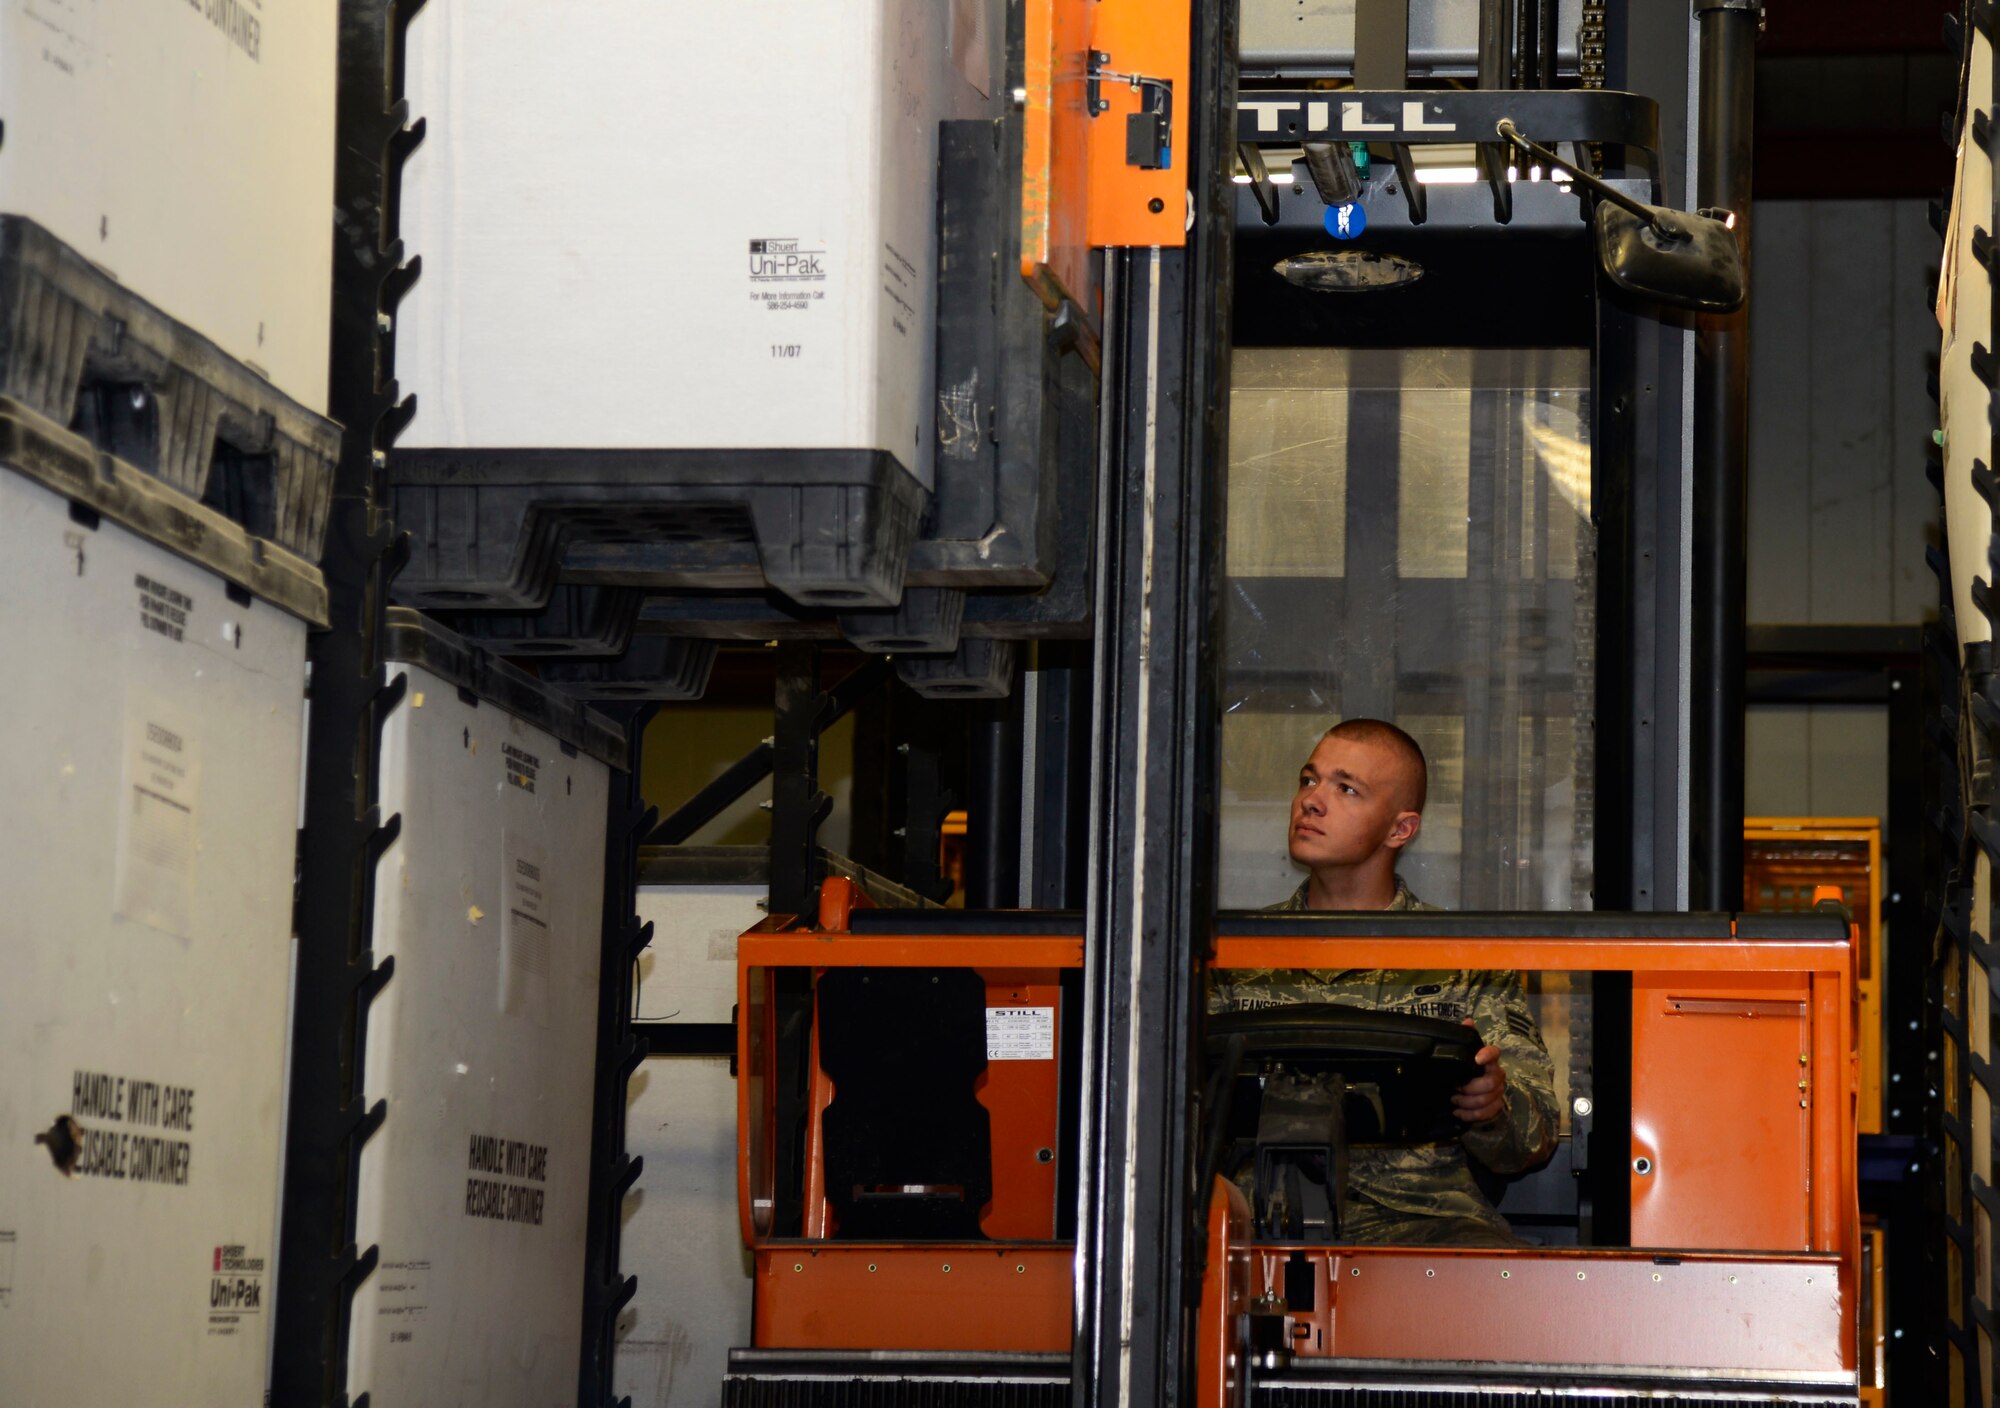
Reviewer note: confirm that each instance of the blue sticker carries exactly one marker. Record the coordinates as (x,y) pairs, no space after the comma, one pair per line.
(1344,222)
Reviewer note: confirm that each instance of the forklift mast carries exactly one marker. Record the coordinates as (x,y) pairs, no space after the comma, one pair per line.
(1189,624)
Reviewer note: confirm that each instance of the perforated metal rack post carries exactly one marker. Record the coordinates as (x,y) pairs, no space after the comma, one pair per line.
(612,1171)
(1978,1024)
(1919,1278)
(344,834)
(1956,1155)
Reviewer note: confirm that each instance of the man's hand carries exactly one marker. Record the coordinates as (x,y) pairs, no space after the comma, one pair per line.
(1484,1097)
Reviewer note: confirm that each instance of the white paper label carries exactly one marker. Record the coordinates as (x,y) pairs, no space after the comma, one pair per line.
(156,829)
(525,941)
(1020,1033)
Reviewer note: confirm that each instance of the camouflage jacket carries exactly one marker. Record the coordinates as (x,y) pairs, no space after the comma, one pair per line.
(1430,1180)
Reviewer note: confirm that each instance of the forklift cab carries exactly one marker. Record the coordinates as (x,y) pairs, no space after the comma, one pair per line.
(911,1102)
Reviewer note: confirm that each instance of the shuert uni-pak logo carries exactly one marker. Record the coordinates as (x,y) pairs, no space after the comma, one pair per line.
(785,259)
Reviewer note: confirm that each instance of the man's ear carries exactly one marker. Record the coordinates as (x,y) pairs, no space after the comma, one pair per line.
(1403,830)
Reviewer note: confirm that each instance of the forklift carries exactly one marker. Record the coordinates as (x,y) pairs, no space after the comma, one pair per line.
(1421,347)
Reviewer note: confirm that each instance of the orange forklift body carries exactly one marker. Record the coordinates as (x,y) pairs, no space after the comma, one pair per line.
(1746,1255)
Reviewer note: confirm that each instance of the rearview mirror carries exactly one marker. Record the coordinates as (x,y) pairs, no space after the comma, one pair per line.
(1667,256)
(1671,256)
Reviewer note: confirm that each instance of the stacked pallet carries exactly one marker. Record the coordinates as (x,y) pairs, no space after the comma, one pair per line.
(733,356)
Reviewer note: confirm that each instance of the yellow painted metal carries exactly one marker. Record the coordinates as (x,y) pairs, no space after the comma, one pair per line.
(1785,857)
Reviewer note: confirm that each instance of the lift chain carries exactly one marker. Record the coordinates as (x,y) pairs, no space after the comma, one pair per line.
(1590,45)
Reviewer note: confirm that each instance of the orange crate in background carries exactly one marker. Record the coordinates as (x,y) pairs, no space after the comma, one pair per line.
(1784,858)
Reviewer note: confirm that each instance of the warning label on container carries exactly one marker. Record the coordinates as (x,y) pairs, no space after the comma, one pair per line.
(235,1288)
(154,878)
(163,610)
(525,939)
(108,1133)
(522,767)
(504,1174)
(402,1296)
(1020,1033)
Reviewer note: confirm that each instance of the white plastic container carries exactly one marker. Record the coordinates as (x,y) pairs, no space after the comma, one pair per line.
(484,1041)
(186,148)
(682,225)
(152,775)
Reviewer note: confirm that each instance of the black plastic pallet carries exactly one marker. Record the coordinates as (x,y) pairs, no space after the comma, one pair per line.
(654,667)
(578,622)
(927,621)
(978,669)
(87,354)
(1059,611)
(411,638)
(494,527)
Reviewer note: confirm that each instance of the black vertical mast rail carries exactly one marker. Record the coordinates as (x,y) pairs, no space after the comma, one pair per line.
(1721,462)
(993,822)
(606,1291)
(1051,811)
(1151,884)
(798,806)
(344,836)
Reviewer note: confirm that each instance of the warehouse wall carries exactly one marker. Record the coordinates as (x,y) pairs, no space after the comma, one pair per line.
(1840,510)
(1817,760)
(1840,346)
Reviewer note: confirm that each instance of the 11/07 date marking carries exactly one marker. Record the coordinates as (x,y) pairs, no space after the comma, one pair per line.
(785,350)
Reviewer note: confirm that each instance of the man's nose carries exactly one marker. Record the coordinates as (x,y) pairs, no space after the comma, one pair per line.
(1312,803)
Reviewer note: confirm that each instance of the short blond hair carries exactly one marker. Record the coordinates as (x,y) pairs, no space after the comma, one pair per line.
(1389,736)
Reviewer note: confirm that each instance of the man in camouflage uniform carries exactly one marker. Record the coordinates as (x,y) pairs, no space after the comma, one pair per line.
(1359,803)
